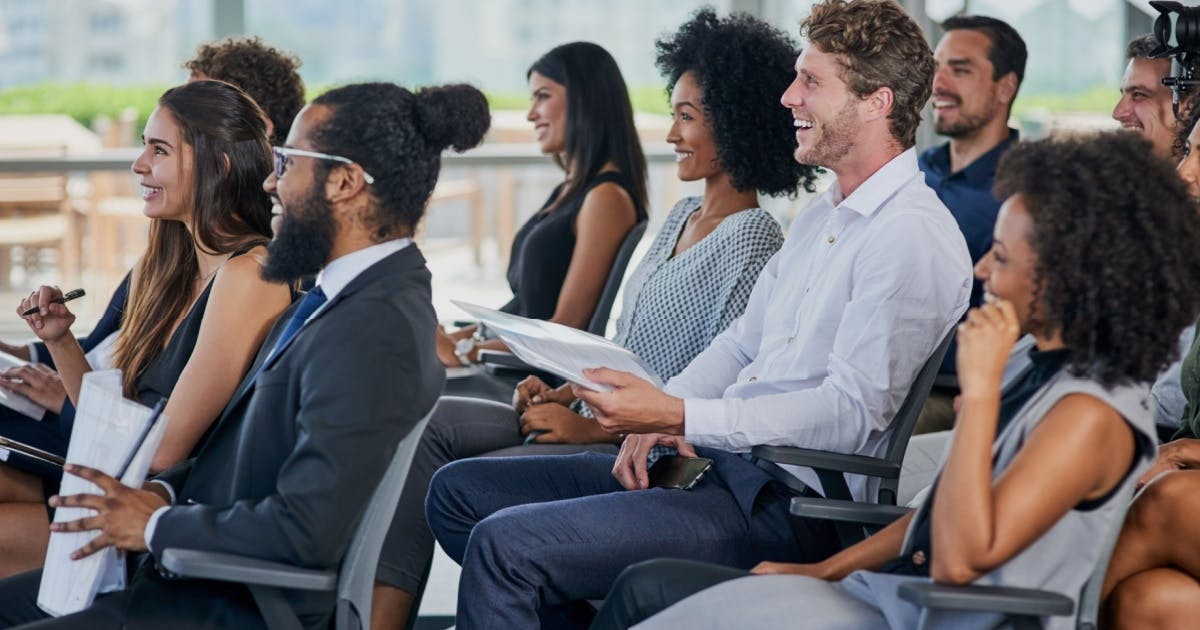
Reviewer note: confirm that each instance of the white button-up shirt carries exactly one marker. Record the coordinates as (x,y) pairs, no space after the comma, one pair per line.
(837,326)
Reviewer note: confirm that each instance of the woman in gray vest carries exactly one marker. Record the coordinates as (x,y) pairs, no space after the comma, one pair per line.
(1023,498)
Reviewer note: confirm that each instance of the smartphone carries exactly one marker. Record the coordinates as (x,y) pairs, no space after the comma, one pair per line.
(677,471)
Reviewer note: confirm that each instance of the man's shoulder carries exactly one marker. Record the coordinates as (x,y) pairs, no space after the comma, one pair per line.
(935,158)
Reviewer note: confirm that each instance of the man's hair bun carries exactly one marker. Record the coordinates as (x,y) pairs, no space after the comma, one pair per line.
(454,115)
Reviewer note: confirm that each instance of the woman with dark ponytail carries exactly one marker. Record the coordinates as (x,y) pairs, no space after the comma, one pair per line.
(198,309)
(560,258)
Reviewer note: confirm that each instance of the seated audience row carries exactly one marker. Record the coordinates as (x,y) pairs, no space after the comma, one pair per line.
(294,457)
(813,345)
(870,279)
(694,280)
(1067,252)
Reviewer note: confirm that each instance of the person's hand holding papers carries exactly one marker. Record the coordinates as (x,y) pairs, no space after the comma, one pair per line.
(634,405)
(121,512)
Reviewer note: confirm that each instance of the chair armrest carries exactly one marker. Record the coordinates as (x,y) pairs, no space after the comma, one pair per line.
(1000,599)
(851,511)
(506,360)
(826,460)
(228,567)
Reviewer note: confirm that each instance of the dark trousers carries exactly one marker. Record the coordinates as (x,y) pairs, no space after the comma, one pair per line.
(646,588)
(538,533)
(460,428)
(18,606)
(150,601)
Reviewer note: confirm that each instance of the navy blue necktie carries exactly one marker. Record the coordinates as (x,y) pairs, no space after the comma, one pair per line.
(309,305)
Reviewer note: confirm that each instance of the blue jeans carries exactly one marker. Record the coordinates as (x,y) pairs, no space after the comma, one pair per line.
(538,534)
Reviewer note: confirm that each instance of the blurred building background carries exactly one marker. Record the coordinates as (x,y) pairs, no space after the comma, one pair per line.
(79,75)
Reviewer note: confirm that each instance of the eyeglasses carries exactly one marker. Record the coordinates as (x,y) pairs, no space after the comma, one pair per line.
(283,159)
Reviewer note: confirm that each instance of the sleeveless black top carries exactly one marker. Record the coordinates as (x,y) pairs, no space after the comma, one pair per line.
(158,378)
(542,249)
(161,374)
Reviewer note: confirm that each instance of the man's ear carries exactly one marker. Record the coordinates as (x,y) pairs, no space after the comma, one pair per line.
(878,104)
(1006,88)
(344,182)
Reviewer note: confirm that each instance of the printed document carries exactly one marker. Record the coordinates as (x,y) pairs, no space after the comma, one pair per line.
(107,431)
(558,349)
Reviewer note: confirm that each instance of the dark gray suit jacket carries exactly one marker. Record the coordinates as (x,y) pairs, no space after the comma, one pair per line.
(290,465)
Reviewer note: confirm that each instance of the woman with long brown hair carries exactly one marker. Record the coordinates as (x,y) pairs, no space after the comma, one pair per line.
(198,309)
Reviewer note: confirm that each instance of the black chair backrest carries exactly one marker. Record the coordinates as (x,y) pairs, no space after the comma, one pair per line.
(599,323)
(905,420)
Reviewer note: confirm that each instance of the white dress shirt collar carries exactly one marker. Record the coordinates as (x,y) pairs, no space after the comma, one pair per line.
(340,271)
(879,187)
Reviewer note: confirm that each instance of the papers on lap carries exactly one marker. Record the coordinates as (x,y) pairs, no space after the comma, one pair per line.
(107,431)
(13,400)
(560,350)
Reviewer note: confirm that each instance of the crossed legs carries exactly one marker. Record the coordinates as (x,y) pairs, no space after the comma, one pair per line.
(1151,581)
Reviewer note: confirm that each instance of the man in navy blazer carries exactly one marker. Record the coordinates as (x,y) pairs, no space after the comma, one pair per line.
(346,373)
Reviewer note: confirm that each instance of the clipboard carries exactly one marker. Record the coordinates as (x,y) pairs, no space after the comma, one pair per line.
(35,453)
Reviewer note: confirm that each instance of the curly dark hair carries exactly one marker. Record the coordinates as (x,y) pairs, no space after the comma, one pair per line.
(271,77)
(1189,115)
(398,137)
(879,45)
(1117,265)
(742,65)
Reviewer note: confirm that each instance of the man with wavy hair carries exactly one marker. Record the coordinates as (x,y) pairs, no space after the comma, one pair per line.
(870,279)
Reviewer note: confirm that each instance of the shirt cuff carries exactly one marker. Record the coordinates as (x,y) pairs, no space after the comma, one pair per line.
(703,421)
(33,352)
(153,523)
(166,486)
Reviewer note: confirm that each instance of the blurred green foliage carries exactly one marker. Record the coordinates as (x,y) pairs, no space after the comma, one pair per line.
(85,101)
(1097,99)
(82,101)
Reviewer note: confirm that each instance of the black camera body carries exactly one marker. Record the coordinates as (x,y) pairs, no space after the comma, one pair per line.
(1185,53)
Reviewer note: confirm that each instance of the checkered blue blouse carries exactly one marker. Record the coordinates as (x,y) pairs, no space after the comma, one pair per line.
(674,306)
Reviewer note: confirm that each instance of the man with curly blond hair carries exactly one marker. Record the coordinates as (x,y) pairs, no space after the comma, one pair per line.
(871,278)
(270,76)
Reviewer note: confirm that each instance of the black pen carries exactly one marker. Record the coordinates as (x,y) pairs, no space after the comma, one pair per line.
(67,297)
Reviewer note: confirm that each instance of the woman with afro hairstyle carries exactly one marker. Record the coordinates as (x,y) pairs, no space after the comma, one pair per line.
(729,131)
(1022,500)
(561,256)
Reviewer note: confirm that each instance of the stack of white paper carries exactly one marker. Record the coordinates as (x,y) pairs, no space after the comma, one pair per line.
(107,429)
(558,349)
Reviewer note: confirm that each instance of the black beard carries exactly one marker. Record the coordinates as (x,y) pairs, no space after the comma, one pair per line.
(304,240)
